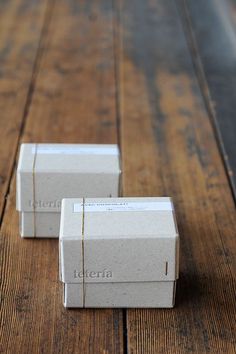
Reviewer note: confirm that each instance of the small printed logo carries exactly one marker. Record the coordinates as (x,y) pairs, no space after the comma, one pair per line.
(107,274)
(42,204)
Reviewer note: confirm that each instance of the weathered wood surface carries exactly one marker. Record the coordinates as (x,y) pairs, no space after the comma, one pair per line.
(21,30)
(211,28)
(72,100)
(97,71)
(169,148)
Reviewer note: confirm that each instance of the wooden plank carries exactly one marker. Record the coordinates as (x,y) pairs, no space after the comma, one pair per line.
(73,101)
(211,29)
(169,148)
(21,26)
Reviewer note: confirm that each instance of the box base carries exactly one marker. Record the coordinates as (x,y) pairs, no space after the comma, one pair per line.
(121,295)
(42,224)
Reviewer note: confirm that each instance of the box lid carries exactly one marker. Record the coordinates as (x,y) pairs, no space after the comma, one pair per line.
(47,173)
(121,240)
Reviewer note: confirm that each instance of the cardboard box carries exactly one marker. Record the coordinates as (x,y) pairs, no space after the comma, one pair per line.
(118,252)
(47,173)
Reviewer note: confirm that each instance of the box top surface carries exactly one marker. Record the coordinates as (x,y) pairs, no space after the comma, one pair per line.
(82,158)
(122,217)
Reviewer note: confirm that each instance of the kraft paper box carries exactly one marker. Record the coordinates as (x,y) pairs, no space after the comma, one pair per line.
(118,252)
(49,172)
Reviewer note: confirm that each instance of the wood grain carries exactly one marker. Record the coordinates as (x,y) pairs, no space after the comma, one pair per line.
(211,29)
(169,148)
(73,100)
(21,27)
(62,81)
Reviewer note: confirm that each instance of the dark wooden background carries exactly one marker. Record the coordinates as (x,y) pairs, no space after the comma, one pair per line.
(159,78)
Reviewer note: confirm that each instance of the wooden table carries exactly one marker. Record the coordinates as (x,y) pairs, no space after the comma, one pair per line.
(159,78)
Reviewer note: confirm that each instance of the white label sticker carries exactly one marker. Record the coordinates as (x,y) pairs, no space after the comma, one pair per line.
(80,150)
(124,206)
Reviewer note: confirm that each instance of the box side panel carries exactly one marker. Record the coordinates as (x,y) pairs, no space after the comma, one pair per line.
(24,178)
(129,259)
(177,255)
(121,295)
(40,224)
(153,294)
(71,261)
(47,224)
(174,293)
(26,224)
(73,295)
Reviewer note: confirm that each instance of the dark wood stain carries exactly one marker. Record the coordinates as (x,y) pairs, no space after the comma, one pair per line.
(213,27)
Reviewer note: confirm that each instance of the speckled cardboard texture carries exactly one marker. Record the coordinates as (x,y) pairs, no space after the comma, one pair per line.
(125,241)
